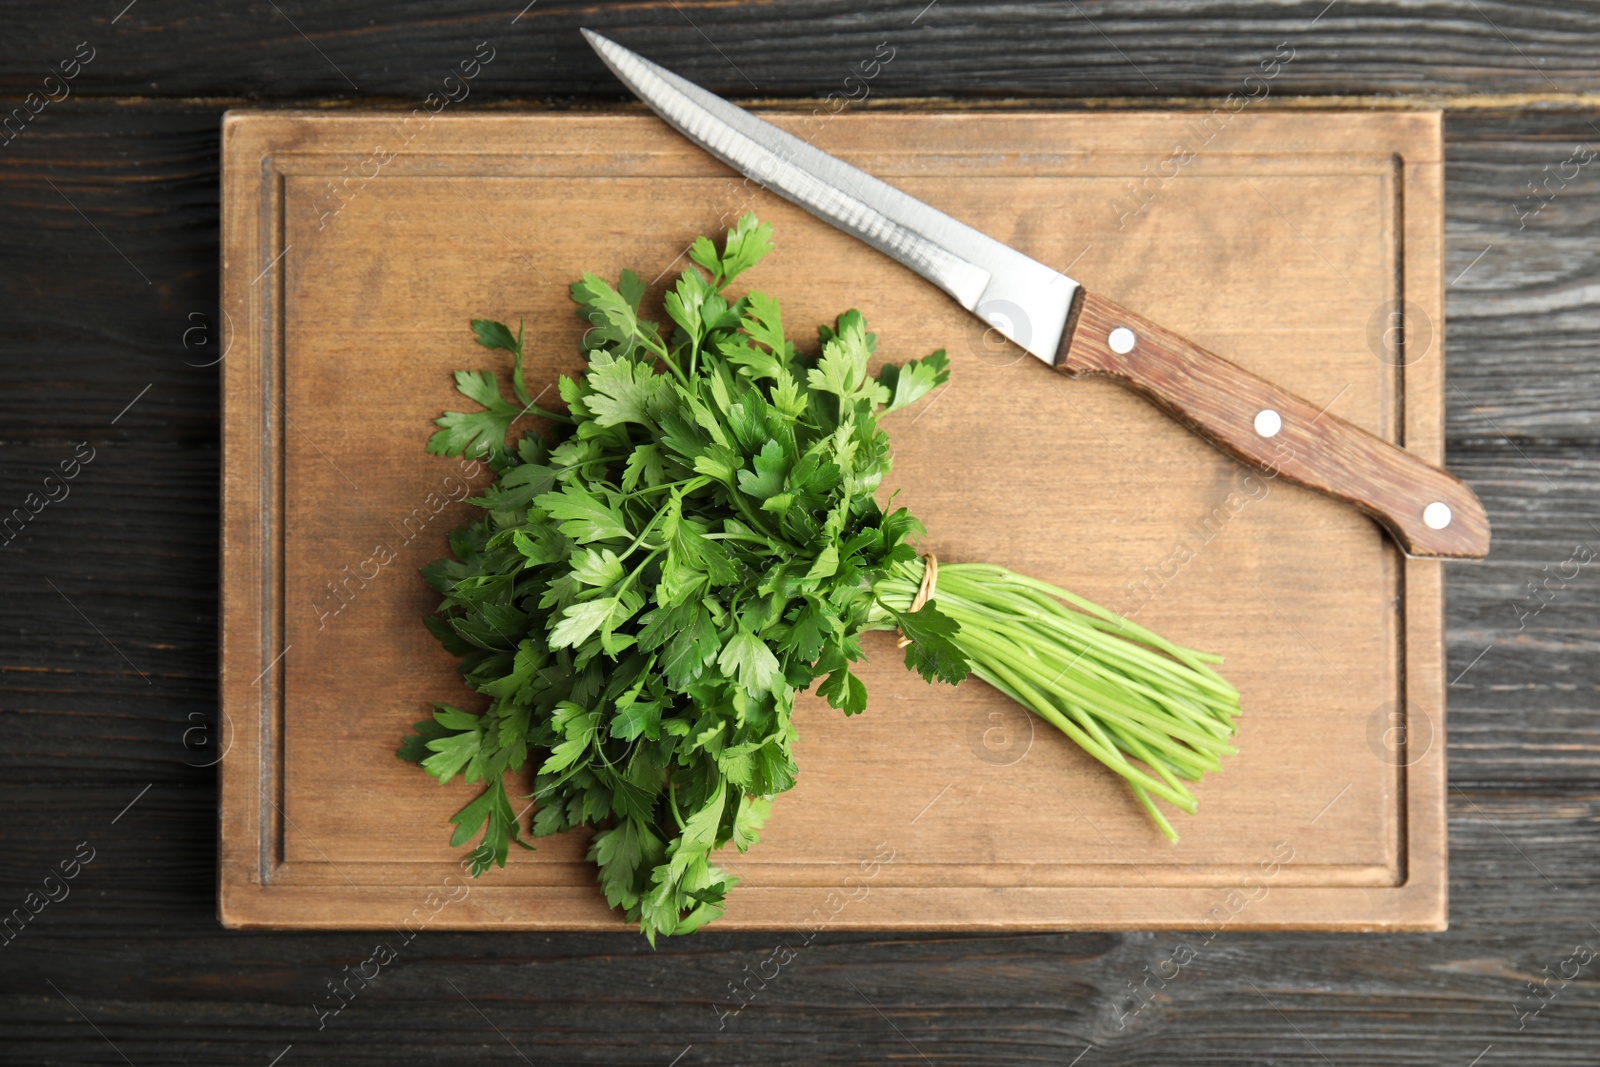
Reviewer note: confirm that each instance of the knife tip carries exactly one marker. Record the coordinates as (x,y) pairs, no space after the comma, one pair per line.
(609,51)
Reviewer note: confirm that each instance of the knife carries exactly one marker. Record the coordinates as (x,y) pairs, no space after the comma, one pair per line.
(1430,513)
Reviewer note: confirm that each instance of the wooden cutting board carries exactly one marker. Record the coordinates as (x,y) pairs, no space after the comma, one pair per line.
(1302,245)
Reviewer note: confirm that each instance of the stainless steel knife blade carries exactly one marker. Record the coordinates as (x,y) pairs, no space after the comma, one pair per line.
(1022,298)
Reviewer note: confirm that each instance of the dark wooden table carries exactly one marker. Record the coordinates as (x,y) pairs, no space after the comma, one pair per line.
(108,295)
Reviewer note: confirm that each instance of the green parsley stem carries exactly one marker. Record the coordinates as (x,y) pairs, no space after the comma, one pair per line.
(1121,692)
(697,481)
(1073,696)
(1107,679)
(751,538)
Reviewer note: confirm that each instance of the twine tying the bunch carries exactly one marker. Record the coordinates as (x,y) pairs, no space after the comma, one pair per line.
(925,591)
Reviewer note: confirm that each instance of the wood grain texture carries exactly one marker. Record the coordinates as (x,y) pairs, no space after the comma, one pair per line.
(321,657)
(992,49)
(1224,404)
(136,946)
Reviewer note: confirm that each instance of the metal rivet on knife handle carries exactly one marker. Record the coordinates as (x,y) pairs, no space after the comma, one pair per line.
(1429,512)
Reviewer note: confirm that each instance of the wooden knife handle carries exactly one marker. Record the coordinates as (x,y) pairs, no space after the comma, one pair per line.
(1429,512)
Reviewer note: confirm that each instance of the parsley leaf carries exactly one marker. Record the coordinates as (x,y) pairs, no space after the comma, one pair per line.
(584,517)
(770,467)
(479,433)
(914,379)
(933,651)
(748,657)
(496,335)
(624,391)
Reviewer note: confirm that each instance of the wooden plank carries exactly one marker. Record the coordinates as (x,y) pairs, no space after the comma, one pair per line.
(1521,299)
(810,47)
(1329,634)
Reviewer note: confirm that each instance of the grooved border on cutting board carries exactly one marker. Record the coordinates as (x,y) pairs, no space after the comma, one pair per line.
(258,886)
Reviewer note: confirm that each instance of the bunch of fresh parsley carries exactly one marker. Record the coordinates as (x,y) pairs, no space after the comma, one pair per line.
(695,540)
(654,579)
